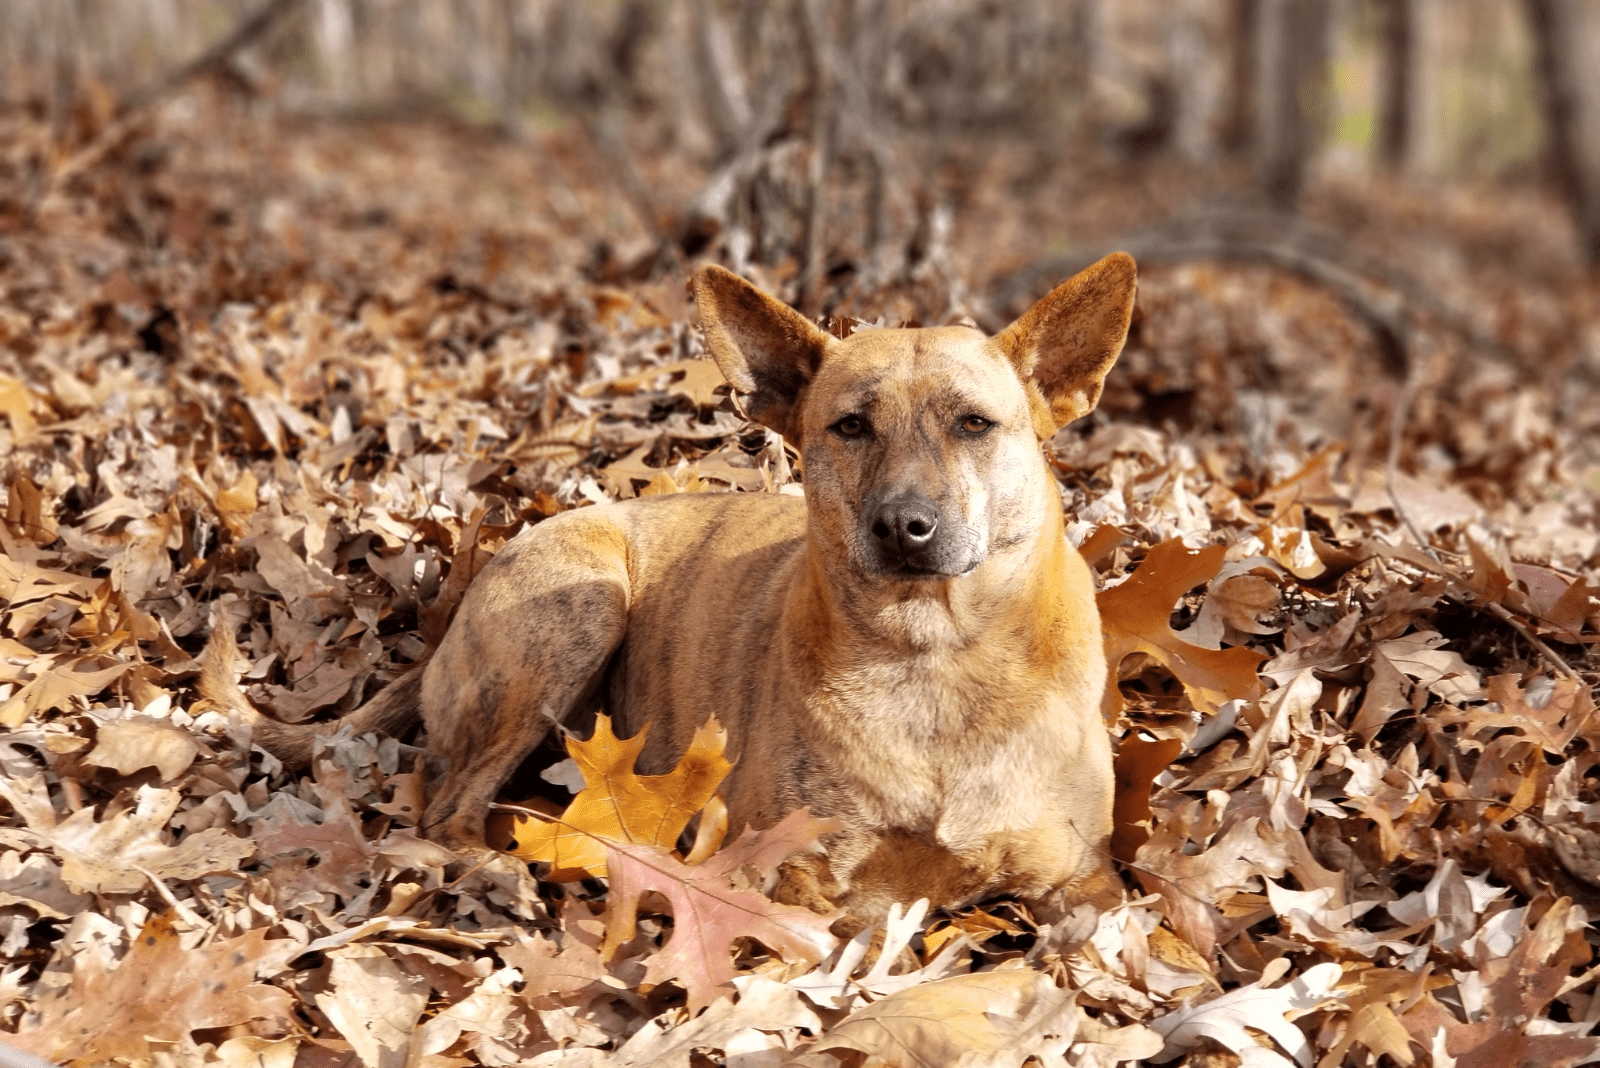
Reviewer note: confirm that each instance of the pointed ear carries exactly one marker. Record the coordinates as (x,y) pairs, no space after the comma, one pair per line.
(764,347)
(1066,343)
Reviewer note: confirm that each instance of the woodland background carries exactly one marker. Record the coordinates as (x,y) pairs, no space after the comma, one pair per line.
(306,306)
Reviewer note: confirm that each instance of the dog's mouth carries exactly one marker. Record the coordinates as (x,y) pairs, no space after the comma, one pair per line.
(908,571)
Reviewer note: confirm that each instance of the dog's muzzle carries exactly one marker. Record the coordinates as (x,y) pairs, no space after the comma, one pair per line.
(909,536)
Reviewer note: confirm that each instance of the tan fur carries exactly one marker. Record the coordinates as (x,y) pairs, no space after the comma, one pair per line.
(938,693)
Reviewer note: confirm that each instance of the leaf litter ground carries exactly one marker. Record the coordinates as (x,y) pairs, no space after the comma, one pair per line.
(267,413)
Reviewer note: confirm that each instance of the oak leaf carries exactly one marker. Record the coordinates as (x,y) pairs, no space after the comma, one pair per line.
(159,993)
(1514,1025)
(618,805)
(994,1018)
(1267,1009)
(54,684)
(699,382)
(343,854)
(711,910)
(1138,762)
(113,856)
(127,745)
(1135,618)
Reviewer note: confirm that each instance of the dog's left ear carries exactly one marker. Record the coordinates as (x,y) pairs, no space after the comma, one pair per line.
(763,347)
(1066,343)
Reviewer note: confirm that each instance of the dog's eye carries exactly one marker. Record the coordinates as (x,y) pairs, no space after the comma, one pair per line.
(851,426)
(975,424)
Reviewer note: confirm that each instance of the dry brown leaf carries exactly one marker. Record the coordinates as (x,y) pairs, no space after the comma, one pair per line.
(15,402)
(1519,986)
(126,745)
(711,912)
(1136,614)
(112,856)
(157,994)
(1138,762)
(341,851)
(29,512)
(982,1018)
(237,503)
(699,380)
(54,684)
(373,1003)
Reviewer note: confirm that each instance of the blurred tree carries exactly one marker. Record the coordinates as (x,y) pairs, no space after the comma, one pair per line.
(1293,42)
(1239,110)
(1397,73)
(1566,37)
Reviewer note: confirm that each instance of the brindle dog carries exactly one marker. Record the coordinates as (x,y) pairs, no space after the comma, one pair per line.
(913,648)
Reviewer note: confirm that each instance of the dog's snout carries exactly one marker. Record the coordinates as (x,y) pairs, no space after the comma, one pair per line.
(909,522)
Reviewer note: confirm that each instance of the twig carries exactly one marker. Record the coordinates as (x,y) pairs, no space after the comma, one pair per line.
(1500,612)
(1397,424)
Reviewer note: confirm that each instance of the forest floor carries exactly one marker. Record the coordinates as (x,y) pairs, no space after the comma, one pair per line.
(275,388)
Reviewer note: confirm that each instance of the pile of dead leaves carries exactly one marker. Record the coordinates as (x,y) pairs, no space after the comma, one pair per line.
(1358,807)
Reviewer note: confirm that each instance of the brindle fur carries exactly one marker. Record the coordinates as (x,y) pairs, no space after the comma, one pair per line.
(938,693)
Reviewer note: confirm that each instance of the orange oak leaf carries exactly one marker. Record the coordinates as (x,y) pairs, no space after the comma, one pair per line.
(1135,615)
(618,805)
(711,910)
(1138,763)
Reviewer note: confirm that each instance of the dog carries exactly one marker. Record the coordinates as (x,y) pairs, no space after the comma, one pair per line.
(913,648)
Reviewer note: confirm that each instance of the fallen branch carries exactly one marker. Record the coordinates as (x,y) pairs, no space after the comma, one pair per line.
(1356,278)
(136,103)
(218,55)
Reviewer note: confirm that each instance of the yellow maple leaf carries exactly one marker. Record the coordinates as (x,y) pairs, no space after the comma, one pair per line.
(618,805)
(1135,618)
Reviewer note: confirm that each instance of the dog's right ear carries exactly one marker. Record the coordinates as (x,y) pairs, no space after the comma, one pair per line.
(763,347)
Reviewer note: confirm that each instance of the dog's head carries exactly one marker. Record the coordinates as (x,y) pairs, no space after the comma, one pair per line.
(920,447)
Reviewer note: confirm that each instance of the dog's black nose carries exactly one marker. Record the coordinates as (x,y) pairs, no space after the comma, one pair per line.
(909,522)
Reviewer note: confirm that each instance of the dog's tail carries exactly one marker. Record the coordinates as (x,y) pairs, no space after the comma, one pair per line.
(396,707)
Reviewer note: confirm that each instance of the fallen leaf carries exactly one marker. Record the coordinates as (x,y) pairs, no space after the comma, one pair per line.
(157,994)
(618,805)
(373,1003)
(107,857)
(1136,614)
(1138,762)
(710,912)
(54,684)
(126,745)
(983,1018)
(1228,1018)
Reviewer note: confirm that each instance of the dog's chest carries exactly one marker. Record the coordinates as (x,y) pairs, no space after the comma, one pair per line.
(945,752)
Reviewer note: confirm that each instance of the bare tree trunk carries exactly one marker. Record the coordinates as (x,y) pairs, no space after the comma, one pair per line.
(1565,34)
(722,90)
(1239,114)
(513,83)
(1084,34)
(1195,103)
(813,30)
(1399,57)
(1291,99)
(64,56)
